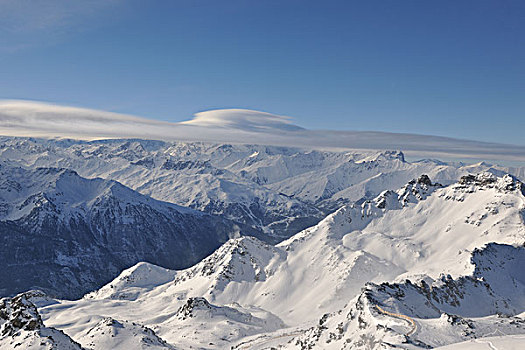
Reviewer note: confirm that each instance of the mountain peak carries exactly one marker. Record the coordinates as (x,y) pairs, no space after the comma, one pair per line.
(504,183)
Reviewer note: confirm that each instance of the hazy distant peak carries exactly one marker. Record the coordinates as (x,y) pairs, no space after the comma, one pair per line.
(243,119)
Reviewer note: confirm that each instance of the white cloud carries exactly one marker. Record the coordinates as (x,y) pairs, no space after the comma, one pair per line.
(23,118)
(242,119)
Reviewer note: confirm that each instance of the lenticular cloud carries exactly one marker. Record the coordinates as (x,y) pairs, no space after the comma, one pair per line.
(26,118)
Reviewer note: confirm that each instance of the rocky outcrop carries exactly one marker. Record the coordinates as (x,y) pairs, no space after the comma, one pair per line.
(21,327)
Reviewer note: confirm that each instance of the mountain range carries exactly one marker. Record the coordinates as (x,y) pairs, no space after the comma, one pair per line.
(424,266)
(176,245)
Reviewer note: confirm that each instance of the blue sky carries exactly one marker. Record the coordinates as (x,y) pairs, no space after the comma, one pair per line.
(451,68)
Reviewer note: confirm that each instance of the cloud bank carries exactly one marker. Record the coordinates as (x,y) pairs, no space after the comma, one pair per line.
(35,119)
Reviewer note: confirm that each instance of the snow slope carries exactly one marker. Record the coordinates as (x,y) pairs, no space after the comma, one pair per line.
(507,342)
(431,313)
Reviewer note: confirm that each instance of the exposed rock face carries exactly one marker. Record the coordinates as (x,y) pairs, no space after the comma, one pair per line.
(424,180)
(413,192)
(506,182)
(187,310)
(18,313)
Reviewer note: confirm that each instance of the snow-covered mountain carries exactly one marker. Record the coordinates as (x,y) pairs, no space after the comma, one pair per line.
(67,235)
(192,175)
(320,249)
(422,266)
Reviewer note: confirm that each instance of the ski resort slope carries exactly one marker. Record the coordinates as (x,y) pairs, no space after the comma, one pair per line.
(246,289)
